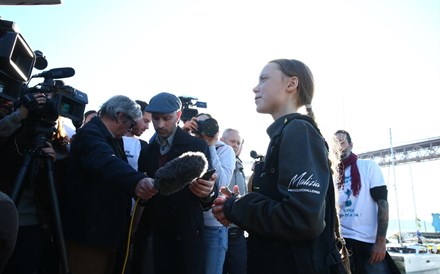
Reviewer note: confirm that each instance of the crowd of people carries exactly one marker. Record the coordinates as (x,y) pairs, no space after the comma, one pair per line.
(311,208)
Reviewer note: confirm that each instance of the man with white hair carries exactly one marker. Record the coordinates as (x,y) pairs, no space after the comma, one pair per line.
(98,188)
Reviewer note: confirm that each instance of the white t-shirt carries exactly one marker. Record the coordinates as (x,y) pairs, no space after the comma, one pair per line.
(359,214)
(132,148)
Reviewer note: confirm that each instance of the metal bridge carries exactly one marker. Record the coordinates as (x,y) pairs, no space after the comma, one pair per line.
(426,150)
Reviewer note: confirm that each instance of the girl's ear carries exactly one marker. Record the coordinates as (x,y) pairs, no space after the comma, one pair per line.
(293,83)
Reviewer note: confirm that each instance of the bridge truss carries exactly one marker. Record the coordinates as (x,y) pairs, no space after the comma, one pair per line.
(426,150)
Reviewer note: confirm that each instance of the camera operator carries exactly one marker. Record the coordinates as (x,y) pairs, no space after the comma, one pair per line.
(34,250)
(223,160)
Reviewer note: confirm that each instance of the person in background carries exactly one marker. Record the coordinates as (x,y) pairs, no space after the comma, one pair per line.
(88,115)
(222,155)
(290,217)
(170,232)
(28,135)
(98,189)
(132,147)
(232,138)
(236,255)
(363,209)
(132,143)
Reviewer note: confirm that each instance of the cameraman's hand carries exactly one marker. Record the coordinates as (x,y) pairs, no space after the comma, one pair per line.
(33,100)
(145,188)
(203,188)
(190,125)
(49,151)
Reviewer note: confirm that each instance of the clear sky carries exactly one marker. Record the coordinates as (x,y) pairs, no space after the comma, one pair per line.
(376,63)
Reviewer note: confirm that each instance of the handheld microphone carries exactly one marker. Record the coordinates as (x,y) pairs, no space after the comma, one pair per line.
(255,155)
(179,172)
(56,73)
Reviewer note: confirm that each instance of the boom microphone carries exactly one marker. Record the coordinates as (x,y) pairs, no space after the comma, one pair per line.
(179,172)
(56,73)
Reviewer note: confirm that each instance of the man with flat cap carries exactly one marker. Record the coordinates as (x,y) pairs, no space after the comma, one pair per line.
(171,225)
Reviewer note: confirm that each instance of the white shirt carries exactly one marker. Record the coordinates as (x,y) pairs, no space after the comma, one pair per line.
(132,148)
(358,215)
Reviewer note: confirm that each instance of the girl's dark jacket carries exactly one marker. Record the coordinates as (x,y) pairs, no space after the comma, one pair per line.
(289,222)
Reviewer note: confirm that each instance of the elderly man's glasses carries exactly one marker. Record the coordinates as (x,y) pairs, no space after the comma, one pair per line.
(132,122)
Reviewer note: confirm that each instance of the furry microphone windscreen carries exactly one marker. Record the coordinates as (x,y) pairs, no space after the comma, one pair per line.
(179,172)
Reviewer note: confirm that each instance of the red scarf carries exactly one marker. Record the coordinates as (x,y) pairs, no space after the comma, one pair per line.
(355,176)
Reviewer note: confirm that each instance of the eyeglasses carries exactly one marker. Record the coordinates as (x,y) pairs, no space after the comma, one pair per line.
(132,122)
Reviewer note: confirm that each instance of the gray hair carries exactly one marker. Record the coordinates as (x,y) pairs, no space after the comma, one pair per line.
(118,104)
(228,131)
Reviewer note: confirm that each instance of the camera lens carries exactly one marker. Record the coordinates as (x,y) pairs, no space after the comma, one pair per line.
(208,127)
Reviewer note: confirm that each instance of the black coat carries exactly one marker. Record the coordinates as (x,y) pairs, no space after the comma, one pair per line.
(290,217)
(99,185)
(176,221)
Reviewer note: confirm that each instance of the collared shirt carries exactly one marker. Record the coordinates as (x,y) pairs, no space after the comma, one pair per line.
(165,145)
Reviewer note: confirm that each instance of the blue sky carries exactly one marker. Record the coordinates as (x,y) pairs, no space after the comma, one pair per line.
(376,63)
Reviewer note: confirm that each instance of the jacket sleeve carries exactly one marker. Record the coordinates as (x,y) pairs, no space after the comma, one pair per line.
(98,158)
(223,160)
(10,123)
(303,178)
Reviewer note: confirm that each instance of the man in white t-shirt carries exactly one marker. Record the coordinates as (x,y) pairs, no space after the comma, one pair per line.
(363,209)
(132,143)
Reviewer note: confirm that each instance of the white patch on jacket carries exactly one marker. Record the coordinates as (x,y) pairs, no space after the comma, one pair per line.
(304,183)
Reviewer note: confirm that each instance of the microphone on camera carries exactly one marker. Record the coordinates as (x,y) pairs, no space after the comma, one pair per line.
(179,172)
(56,73)
(255,155)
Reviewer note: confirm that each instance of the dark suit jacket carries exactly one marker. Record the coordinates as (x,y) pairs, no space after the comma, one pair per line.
(98,188)
(176,221)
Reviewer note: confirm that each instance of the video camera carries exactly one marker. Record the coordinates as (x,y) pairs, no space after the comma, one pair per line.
(208,127)
(187,111)
(65,100)
(16,63)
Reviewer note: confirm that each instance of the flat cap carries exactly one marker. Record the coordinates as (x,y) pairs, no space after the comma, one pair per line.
(164,102)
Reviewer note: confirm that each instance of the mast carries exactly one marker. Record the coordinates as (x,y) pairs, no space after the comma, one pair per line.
(395,187)
(414,199)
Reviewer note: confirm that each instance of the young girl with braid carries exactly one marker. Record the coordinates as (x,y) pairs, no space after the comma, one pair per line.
(290,213)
